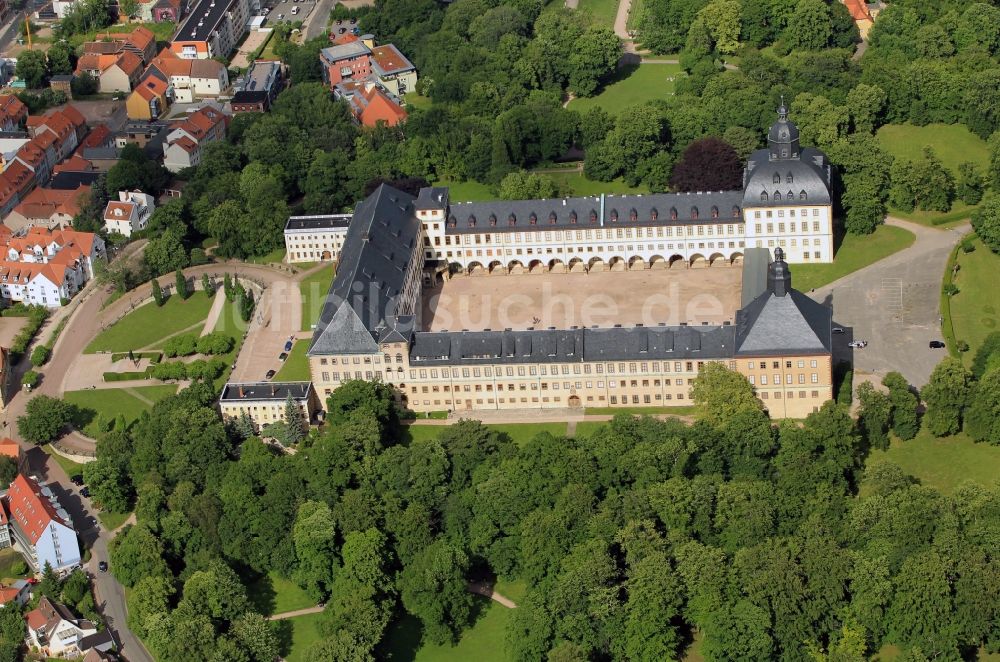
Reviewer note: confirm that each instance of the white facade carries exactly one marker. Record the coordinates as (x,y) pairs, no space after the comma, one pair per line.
(804,232)
(58,547)
(315,238)
(130,213)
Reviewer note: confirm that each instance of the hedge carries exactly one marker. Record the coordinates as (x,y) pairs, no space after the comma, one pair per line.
(36,317)
(126,376)
(152,356)
(189,343)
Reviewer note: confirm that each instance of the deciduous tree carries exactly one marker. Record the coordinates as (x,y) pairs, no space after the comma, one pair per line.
(946,395)
(708,164)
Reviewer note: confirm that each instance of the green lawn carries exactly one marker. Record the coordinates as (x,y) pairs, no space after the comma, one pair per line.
(8,560)
(522,433)
(944,463)
(277,255)
(575,184)
(602,12)
(149,324)
(112,521)
(974,309)
(854,253)
(229,322)
(314,289)
(273,594)
(467,191)
(296,366)
(299,633)
(414,100)
(633,86)
(683,410)
(483,642)
(953,143)
(110,402)
(69,466)
(959,212)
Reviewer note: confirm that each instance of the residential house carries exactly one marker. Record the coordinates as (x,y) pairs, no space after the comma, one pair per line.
(99,136)
(140,42)
(73,173)
(67,125)
(258,87)
(21,179)
(370,103)
(40,528)
(188,79)
(66,246)
(143,133)
(13,113)
(265,401)
(862,16)
(129,213)
(182,148)
(9,195)
(213,28)
(38,159)
(54,631)
(356,61)
(12,449)
(47,208)
(62,83)
(116,72)
(8,149)
(16,594)
(148,100)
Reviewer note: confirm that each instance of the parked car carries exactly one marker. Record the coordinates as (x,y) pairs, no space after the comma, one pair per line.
(858,344)
(295,10)
(76,479)
(936,344)
(270,374)
(288,346)
(282,356)
(343,30)
(281,16)
(837,329)
(102,566)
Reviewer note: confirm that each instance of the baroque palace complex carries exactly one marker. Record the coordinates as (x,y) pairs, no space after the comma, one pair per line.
(397,247)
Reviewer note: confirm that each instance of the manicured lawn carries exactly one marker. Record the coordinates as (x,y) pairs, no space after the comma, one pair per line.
(8,560)
(944,463)
(483,642)
(467,191)
(959,212)
(953,143)
(111,402)
(633,86)
(304,632)
(974,309)
(277,255)
(149,324)
(853,254)
(587,428)
(273,594)
(602,12)
(230,321)
(414,100)
(314,289)
(575,184)
(296,366)
(69,466)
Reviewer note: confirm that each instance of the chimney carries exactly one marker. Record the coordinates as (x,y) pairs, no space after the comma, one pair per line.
(274,390)
(241,390)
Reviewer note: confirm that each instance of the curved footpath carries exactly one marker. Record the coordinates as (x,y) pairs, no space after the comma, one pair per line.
(86,319)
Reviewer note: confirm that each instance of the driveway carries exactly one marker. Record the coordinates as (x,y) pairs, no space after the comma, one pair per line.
(894,305)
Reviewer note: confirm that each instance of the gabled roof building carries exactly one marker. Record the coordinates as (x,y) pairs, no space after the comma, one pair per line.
(40,528)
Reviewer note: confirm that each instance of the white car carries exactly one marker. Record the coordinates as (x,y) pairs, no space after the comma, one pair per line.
(281,16)
(295,10)
(858,344)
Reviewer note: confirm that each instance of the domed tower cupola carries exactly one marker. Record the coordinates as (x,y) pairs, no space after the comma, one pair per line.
(783,138)
(779,279)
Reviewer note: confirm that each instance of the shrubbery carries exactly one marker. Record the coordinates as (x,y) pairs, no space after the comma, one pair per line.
(188,344)
(197,369)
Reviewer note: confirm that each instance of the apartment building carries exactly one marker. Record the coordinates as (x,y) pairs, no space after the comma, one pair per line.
(357,61)
(265,402)
(183,144)
(40,528)
(315,238)
(213,28)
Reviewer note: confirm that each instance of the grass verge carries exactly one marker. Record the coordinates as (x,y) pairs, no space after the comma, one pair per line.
(112,521)
(313,289)
(296,366)
(959,212)
(855,252)
(972,313)
(69,466)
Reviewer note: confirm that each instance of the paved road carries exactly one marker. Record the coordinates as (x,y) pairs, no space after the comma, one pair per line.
(894,305)
(315,24)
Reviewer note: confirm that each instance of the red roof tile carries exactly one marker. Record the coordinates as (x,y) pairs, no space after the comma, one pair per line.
(32,512)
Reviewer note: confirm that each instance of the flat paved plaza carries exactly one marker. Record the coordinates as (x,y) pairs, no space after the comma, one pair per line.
(562,300)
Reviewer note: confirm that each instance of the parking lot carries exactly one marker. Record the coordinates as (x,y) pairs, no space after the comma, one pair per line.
(287,10)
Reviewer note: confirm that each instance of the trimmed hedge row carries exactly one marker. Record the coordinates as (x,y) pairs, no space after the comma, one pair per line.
(152,356)
(36,317)
(189,343)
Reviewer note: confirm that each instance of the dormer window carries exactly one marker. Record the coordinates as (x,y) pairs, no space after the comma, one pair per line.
(777,178)
(763,196)
(694,212)
(493,220)
(777,196)
(614,215)
(736,211)
(802,195)
(633,215)
(593,216)
(552,218)
(673,213)
(788,178)
(715,212)
(512,220)
(472,221)
(653,214)
(572,218)
(452,222)
(790,196)
(532,219)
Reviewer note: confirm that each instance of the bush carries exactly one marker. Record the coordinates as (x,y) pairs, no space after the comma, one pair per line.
(40,356)
(951,289)
(126,376)
(962,346)
(84,85)
(36,317)
(215,343)
(31,379)
(968,246)
(19,568)
(185,344)
(169,370)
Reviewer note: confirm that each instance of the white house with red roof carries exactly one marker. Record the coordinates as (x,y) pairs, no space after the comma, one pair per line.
(39,527)
(54,631)
(183,145)
(47,267)
(129,213)
(17,593)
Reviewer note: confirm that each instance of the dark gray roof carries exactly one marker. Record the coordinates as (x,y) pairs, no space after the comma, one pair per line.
(755,263)
(102,640)
(70,181)
(432,197)
(318,222)
(361,304)
(209,13)
(792,324)
(596,211)
(346,51)
(244,96)
(571,345)
(100,153)
(810,174)
(237,392)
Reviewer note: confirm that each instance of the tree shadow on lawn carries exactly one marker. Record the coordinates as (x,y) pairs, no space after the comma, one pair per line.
(283,631)
(262,595)
(405,636)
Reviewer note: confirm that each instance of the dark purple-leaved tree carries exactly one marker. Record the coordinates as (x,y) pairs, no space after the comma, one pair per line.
(708,164)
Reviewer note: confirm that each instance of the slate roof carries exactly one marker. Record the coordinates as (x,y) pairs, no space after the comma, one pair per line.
(810,174)
(318,222)
(595,211)
(237,392)
(572,345)
(432,197)
(72,180)
(361,304)
(204,19)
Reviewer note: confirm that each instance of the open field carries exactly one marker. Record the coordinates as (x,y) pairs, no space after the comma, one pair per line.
(149,324)
(273,594)
(298,634)
(953,143)
(483,642)
(600,299)
(854,253)
(602,12)
(109,403)
(576,185)
(943,463)
(296,366)
(974,309)
(314,289)
(631,87)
